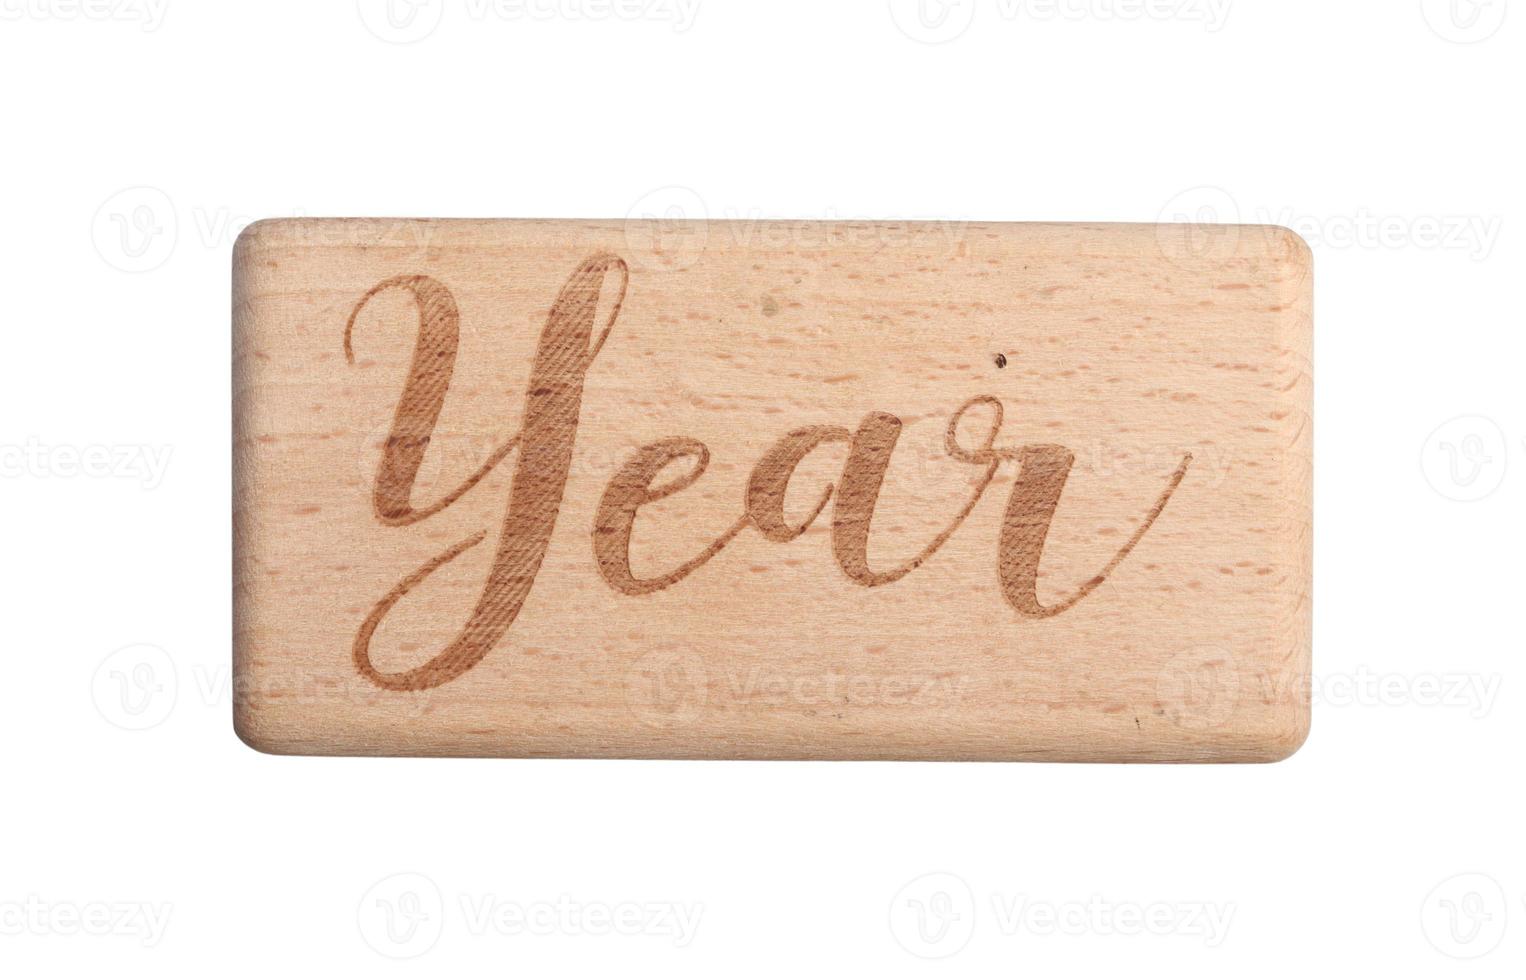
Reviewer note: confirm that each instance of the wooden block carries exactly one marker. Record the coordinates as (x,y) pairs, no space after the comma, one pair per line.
(772,490)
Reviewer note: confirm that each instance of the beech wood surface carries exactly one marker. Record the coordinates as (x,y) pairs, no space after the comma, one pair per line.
(772,489)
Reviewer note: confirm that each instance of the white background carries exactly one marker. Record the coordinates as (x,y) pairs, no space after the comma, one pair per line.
(141,839)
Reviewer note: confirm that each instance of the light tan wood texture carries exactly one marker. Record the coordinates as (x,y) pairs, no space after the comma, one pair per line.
(772,490)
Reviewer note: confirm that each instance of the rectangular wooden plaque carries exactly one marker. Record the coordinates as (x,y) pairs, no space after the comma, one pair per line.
(772,489)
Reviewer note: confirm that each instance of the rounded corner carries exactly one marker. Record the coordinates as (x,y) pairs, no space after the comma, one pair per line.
(249,731)
(1286,745)
(1292,251)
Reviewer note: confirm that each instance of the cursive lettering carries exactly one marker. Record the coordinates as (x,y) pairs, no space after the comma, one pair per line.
(553,402)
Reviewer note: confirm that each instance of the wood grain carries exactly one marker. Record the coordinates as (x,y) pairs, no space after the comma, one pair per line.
(772,490)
